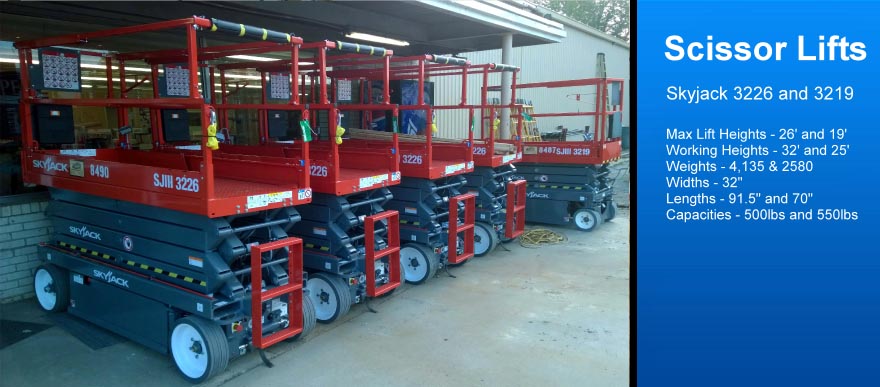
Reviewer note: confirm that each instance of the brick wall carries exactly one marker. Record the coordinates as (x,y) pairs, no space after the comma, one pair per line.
(22,227)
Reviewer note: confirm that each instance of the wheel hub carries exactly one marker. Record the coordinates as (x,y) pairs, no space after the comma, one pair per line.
(324,297)
(414,263)
(196,347)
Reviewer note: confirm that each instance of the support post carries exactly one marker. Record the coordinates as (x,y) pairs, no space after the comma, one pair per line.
(506,51)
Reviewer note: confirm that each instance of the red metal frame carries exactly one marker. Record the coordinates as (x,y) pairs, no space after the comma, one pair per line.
(200,182)
(392,251)
(515,223)
(430,153)
(337,169)
(488,157)
(466,228)
(600,150)
(293,290)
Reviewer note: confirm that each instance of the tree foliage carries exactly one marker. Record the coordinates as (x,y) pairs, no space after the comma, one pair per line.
(609,16)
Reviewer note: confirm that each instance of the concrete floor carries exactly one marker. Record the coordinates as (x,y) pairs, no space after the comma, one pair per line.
(555,315)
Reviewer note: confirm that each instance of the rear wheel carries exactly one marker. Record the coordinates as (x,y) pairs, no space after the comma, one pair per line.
(52,287)
(330,296)
(199,348)
(419,263)
(586,219)
(485,239)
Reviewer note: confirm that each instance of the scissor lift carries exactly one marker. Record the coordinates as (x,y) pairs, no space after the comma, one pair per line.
(436,219)
(179,248)
(350,182)
(501,200)
(569,182)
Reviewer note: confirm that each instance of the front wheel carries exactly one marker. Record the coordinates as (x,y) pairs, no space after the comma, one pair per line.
(330,295)
(419,263)
(199,348)
(52,287)
(485,239)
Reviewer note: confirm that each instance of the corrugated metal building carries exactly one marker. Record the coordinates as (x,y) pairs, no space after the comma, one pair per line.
(573,58)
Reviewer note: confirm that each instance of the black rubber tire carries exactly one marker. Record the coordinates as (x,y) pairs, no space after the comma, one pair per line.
(214,343)
(431,259)
(599,216)
(309,319)
(60,286)
(339,289)
(593,217)
(493,238)
(609,211)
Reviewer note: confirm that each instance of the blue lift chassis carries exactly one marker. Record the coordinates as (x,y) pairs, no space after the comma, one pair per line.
(345,266)
(426,208)
(581,195)
(176,282)
(500,216)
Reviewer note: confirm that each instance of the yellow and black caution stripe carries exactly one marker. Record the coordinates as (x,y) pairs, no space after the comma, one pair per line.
(357,48)
(572,187)
(84,250)
(313,246)
(133,264)
(245,30)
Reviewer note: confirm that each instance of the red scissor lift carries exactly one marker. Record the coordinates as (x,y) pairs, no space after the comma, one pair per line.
(349,180)
(158,245)
(569,181)
(501,200)
(428,196)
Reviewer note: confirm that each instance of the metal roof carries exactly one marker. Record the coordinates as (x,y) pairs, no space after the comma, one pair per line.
(430,26)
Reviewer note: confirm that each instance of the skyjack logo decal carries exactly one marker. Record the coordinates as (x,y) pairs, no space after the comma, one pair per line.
(110,278)
(535,195)
(49,164)
(85,232)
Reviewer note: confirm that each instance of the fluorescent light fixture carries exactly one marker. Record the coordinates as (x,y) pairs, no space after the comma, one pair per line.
(96,66)
(87,86)
(253,58)
(237,76)
(306,63)
(377,39)
(10,60)
(105,79)
(138,69)
(104,67)
(86,66)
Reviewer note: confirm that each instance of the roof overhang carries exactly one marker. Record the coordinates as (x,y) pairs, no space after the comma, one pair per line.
(431,26)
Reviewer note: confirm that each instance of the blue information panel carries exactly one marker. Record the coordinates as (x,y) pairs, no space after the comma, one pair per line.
(758,146)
